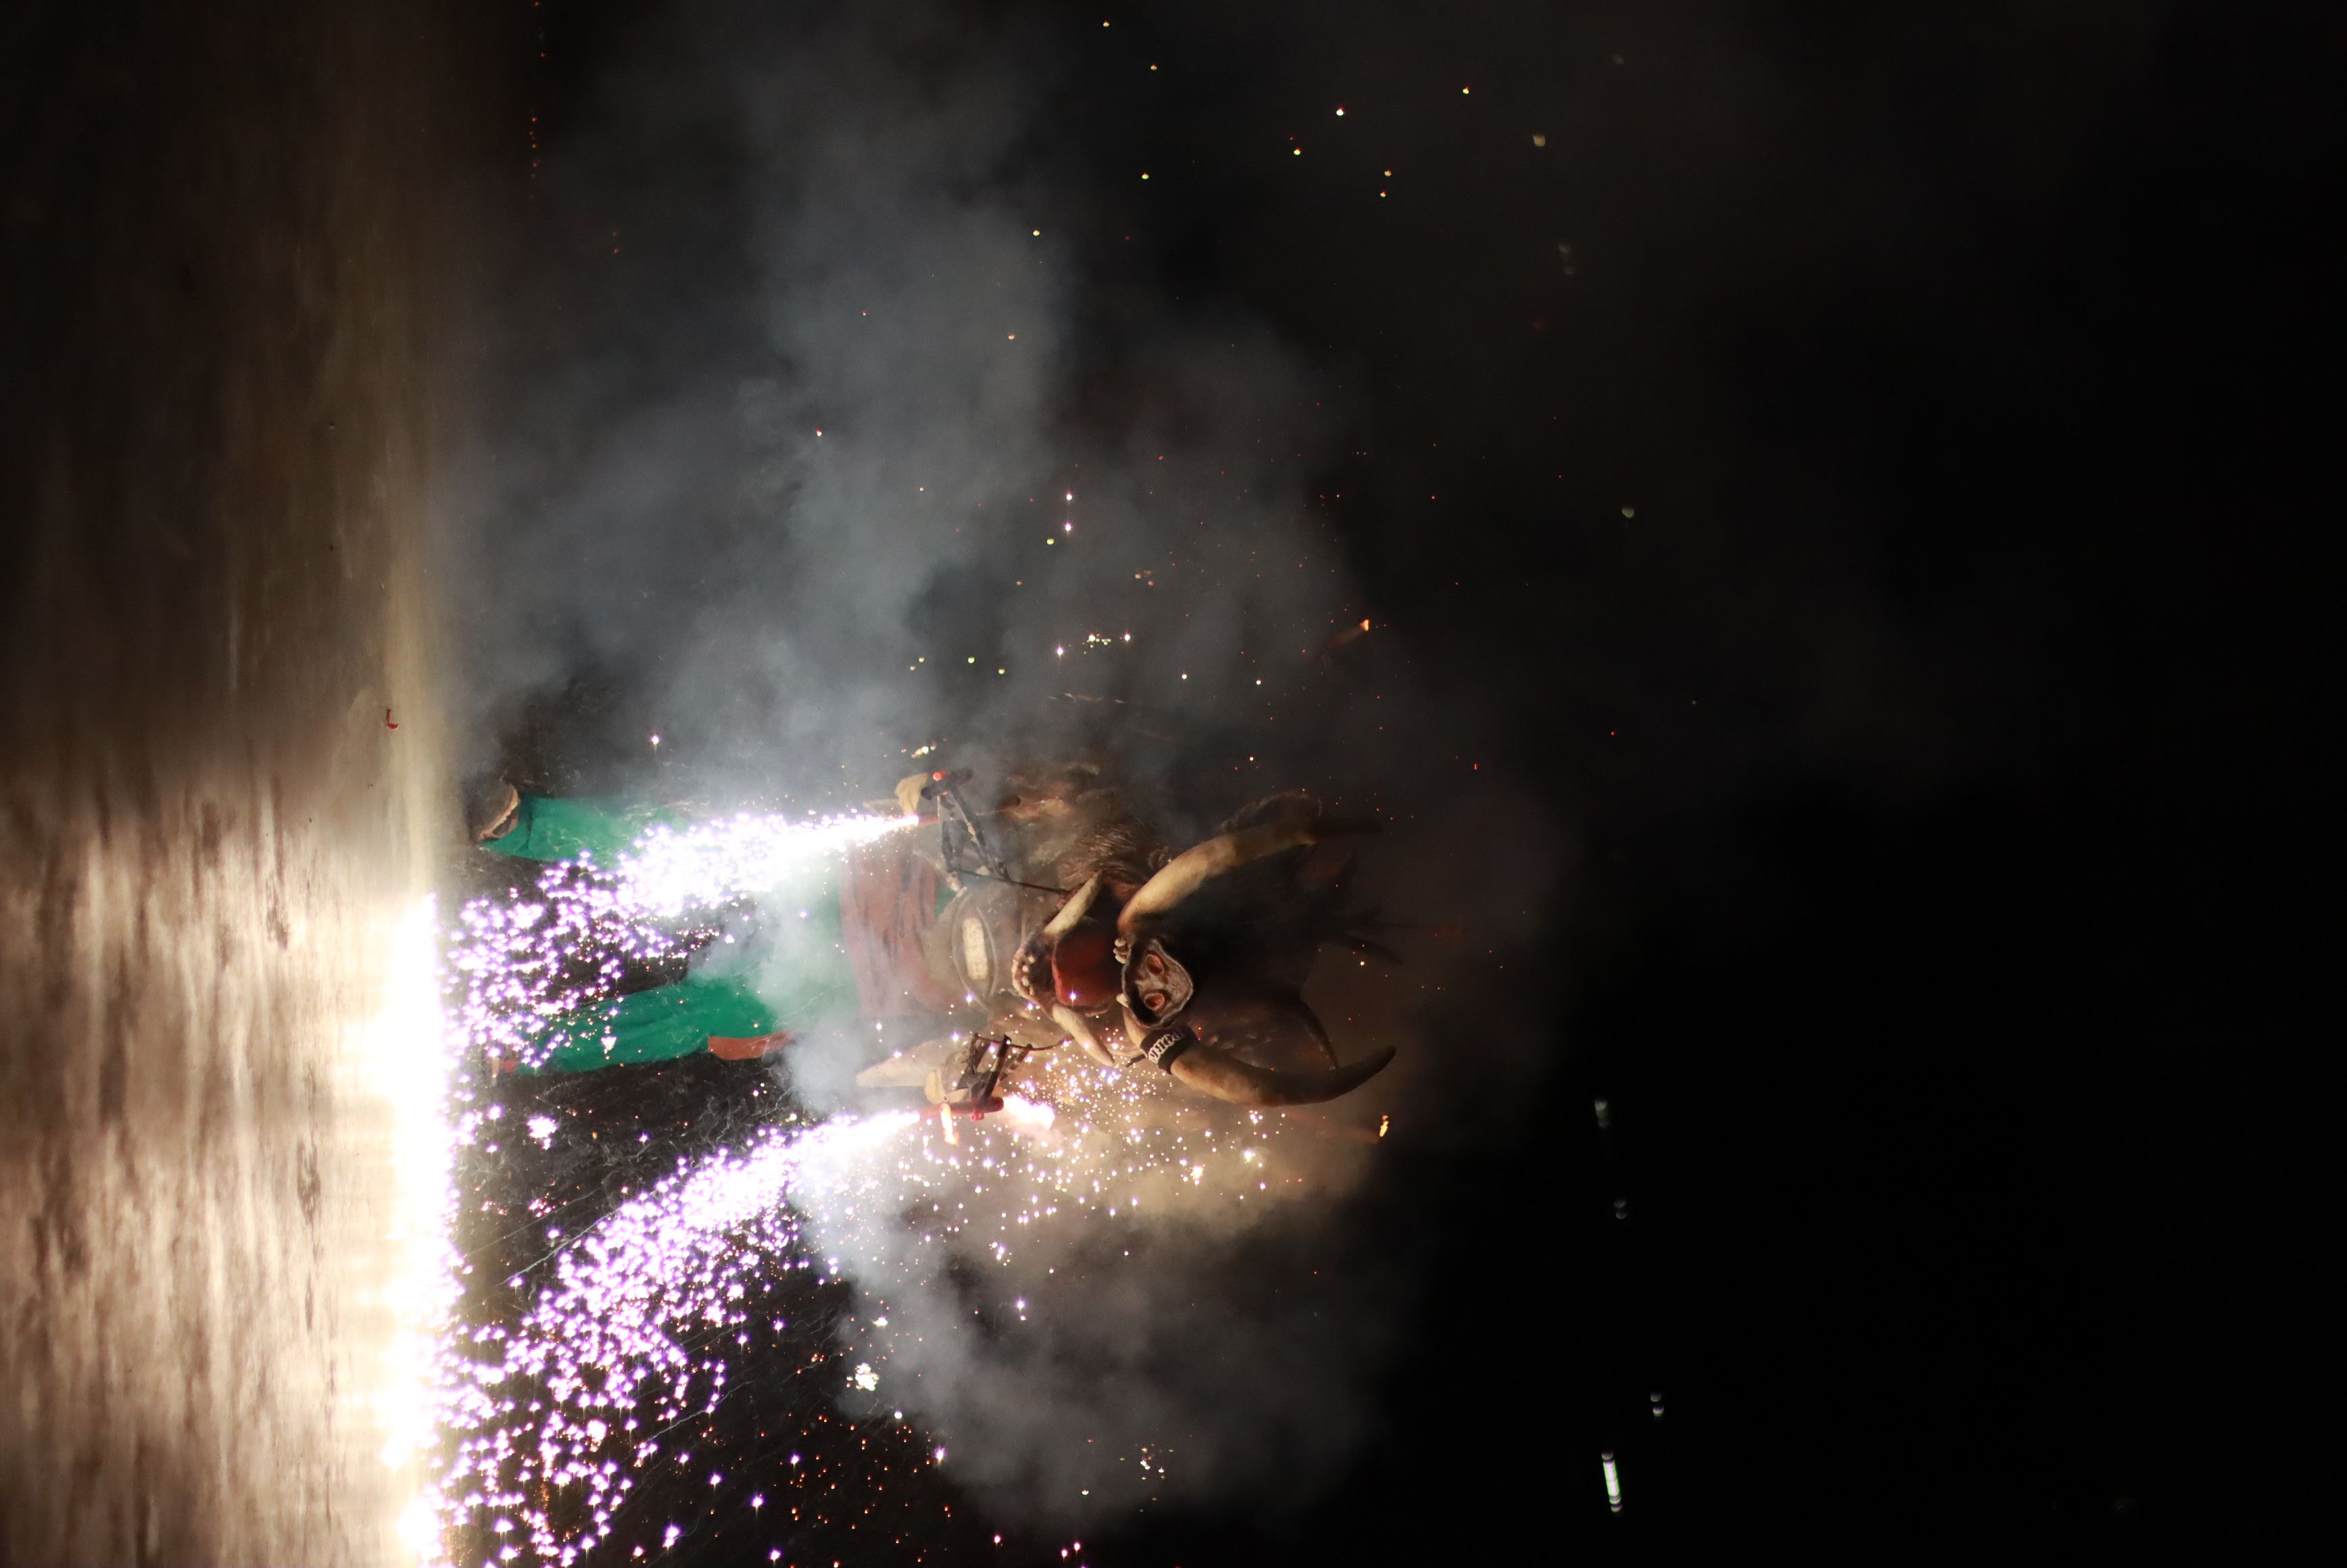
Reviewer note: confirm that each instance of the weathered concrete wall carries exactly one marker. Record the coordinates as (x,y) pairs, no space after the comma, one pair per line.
(215,236)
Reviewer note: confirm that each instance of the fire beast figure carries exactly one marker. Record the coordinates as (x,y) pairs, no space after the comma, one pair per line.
(1052,915)
(1192,963)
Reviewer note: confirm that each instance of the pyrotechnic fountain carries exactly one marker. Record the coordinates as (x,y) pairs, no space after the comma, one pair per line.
(566,1382)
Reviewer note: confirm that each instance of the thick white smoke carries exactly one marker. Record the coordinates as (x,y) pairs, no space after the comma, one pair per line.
(799,432)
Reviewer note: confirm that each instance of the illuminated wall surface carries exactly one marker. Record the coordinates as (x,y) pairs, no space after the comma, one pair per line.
(214,841)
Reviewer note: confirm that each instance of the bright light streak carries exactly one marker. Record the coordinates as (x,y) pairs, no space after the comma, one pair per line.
(669,870)
(1613,1484)
(1023,1112)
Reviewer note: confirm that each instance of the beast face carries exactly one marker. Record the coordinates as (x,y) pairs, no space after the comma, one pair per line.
(1184,1024)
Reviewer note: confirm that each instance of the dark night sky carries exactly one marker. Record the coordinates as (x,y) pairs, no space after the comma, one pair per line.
(1942,965)
(1933,753)
(1846,495)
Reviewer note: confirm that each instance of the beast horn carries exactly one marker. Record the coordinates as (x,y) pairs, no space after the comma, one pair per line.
(1226,1078)
(1081,1032)
(1195,866)
(1072,912)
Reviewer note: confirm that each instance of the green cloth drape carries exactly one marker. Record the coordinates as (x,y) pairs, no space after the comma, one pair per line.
(545,828)
(657,1025)
(792,975)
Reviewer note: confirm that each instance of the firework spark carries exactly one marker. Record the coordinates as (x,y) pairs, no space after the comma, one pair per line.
(588,1365)
(609,1352)
(521,961)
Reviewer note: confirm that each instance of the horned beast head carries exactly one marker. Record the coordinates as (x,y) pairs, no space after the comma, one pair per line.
(1202,963)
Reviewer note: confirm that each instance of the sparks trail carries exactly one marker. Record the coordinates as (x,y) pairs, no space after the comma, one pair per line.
(560,1408)
(590,1368)
(523,959)
(552,1415)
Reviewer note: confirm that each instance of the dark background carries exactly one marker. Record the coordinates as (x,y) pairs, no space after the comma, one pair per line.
(1938,744)
(1870,477)
(1939,761)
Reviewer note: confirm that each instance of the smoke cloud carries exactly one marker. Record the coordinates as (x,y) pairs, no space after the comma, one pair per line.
(799,434)
(808,435)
